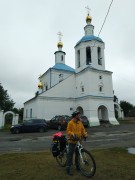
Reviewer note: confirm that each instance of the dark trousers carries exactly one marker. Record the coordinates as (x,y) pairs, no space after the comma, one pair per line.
(71,150)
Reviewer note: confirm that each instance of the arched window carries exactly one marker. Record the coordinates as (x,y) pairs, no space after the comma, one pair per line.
(60,77)
(26,113)
(99,56)
(101,87)
(31,113)
(61,57)
(88,55)
(78,58)
(82,87)
(46,86)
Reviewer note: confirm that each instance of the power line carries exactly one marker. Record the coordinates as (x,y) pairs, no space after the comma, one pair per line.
(103,22)
(105,17)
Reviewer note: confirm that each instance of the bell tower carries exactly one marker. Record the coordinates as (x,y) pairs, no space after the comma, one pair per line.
(60,55)
(89,50)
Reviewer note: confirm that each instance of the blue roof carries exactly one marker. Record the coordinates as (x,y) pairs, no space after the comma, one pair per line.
(89,38)
(60,66)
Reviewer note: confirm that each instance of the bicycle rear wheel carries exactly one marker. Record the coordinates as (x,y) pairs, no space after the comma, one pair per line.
(62,158)
(86,163)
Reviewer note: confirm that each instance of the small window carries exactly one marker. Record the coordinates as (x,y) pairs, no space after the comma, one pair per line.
(60,77)
(78,58)
(82,88)
(100,77)
(100,88)
(26,113)
(61,57)
(46,87)
(30,113)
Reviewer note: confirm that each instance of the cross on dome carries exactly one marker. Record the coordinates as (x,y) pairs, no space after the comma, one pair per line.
(60,35)
(88,18)
(60,44)
(88,9)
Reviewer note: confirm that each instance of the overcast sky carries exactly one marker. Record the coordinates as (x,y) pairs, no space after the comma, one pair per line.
(28,40)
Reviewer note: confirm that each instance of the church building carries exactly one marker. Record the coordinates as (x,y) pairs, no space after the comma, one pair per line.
(87,88)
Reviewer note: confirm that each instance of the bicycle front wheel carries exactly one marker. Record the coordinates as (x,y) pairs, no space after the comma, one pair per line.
(62,158)
(86,163)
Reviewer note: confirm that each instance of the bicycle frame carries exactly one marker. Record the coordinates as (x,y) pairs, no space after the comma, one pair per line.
(79,146)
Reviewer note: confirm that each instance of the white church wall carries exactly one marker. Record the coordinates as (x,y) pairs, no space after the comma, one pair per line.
(55,76)
(30,109)
(82,84)
(48,108)
(95,83)
(90,81)
(65,89)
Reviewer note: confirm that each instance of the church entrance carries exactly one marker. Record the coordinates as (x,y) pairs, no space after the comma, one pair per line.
(103,114)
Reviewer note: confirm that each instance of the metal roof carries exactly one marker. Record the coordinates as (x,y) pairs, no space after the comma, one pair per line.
(64,67)
(89,38)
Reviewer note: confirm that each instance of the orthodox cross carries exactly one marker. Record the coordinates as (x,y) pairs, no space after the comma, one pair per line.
(60,36)
(88,9)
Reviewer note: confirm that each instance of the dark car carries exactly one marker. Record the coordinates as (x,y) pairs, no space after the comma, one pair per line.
(32,125)
(84,120)
(59,122)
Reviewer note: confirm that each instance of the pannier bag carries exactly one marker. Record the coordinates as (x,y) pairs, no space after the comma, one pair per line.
(58,144)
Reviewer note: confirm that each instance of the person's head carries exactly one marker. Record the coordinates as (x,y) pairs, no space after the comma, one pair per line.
(76,115)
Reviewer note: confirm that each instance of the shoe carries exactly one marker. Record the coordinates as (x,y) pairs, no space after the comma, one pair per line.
(68,172)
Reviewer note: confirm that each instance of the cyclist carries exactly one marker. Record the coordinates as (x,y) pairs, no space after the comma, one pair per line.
(75,130)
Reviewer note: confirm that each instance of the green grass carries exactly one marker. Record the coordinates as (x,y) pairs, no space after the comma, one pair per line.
(112,164)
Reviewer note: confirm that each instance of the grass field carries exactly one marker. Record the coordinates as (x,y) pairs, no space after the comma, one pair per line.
(112,164)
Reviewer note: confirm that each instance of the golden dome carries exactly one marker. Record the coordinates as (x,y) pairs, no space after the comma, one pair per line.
(88,18)
(60,44)
(40,85)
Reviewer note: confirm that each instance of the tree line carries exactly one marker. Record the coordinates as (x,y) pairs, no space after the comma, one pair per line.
(7,104)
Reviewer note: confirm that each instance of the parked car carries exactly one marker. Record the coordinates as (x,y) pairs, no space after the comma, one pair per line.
(32,125)
(59,122)
(84,120)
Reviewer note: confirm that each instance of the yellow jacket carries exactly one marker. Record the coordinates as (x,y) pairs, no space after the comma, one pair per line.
(76,128)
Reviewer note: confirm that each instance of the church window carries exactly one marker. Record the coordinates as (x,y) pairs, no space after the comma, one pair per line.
(78,58)
(82,88)
(46,86)
(60,77)
(101,88)
(61,57)
(100,77)
(30,113)
(99,56)
(26,113)
(88,55)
